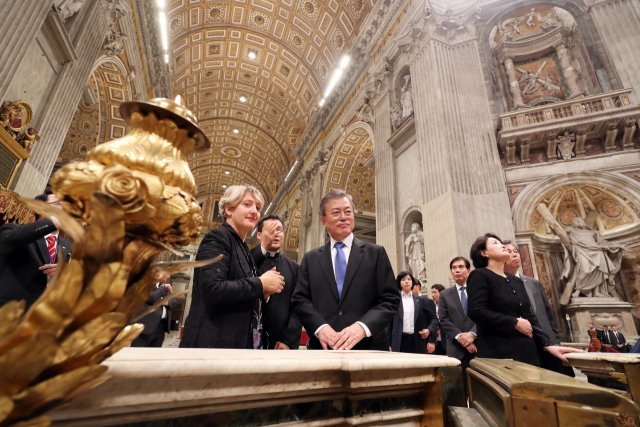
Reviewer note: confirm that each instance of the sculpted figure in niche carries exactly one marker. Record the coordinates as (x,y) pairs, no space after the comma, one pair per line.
(365,112)
(407,98)
(396,115)
(566,143)
(590,262)
(414,250)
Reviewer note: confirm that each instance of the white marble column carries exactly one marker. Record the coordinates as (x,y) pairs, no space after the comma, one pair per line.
(62,105)
(386,209)
(514,86)
(464,191)
(570,74)
(20,21)
(618,23)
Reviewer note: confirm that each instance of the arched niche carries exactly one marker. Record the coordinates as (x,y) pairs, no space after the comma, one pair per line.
(552,39)
(412,215)
(614,200)
(399,81)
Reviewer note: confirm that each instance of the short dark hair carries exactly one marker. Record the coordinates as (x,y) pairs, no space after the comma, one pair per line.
(332,195)
(458,258)
(44,196)
(404,274)
(438,286)
(267,218)
(478,246)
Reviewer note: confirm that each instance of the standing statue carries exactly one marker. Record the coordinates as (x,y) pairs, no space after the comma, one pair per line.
(68,8)
(396,116)
(407,98)
(365,112)
(414,250)
(590,262)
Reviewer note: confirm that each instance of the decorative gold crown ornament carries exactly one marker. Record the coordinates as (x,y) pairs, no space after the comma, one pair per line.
(131,199)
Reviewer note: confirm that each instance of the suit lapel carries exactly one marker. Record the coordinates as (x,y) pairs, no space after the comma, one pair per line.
(416,303)
(456,298)
(355,258)
(327,267)
(44,251)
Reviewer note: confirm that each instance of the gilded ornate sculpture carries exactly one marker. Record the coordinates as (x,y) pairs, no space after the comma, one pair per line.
(590,262)
(28,138)
(135,197)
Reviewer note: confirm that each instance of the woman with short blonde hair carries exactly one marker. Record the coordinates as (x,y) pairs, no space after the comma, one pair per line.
(226,304)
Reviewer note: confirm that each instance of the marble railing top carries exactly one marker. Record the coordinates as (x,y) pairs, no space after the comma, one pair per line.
(243,361)
(625,358)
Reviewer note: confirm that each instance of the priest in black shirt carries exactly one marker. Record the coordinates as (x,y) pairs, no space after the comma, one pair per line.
(282,329)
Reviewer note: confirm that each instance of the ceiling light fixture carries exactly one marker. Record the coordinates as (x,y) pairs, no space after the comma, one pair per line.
(243,99)
(344,62)
(224,186)
(236,131)
(289,174)
(226,172)
(252,54)
(162,17)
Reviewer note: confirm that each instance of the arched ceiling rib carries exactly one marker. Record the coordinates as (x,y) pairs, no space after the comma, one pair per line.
(296,43)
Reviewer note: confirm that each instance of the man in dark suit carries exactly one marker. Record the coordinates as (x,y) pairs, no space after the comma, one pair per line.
(346,294)
(414,326)
(157,323)
(540,307)
(460,330)
(29,256)
(606,339)
(282,329)
(441,341)
(618,340)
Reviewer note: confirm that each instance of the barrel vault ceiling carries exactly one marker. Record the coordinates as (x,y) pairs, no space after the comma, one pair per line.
(253,72)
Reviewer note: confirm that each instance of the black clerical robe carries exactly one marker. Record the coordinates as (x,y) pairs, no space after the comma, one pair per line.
(279,321)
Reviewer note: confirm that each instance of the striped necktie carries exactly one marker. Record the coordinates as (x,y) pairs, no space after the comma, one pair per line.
(51,245)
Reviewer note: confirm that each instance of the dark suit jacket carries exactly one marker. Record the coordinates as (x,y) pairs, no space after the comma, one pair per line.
(22,251)
(280,322)
(541,308)
(495,303)
(154,320)
(605,337)
(424,317)
(454,321)
(224,294)
(615,341)
(369,294)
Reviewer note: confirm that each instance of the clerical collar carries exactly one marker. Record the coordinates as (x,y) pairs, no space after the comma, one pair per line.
(271,254)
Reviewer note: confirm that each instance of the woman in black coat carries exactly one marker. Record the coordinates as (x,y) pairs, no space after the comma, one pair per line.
(498,303)
(226,304)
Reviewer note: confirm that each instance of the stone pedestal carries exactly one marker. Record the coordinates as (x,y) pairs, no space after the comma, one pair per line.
(601,312)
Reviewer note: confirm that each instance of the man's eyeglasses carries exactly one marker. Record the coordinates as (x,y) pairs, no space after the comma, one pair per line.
(55,203)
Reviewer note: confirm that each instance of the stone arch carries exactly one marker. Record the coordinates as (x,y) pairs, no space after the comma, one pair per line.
(292,238)
(347,169)
(97,118)
(620,189)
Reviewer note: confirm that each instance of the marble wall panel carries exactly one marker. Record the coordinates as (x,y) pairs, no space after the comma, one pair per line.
(408,184)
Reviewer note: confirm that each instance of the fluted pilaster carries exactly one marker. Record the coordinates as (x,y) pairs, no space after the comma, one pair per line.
(386,210)
(618,23)
(464,194)
(61,106)
(20,21)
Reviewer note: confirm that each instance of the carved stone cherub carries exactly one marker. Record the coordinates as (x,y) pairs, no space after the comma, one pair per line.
(28,138)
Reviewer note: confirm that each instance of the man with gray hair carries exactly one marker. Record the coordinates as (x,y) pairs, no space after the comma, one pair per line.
(346,294)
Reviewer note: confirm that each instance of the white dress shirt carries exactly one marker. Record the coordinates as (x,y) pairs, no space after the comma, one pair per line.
(458,287)
(348,243)
(265,252)
(408,325)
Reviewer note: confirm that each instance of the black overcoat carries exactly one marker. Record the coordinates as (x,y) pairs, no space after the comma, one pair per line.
(495,303)
(224,294)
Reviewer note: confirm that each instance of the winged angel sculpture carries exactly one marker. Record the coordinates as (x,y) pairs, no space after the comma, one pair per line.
(590,262)
(130,200)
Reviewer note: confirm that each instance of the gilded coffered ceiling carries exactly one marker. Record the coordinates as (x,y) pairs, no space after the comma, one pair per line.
(253,72)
